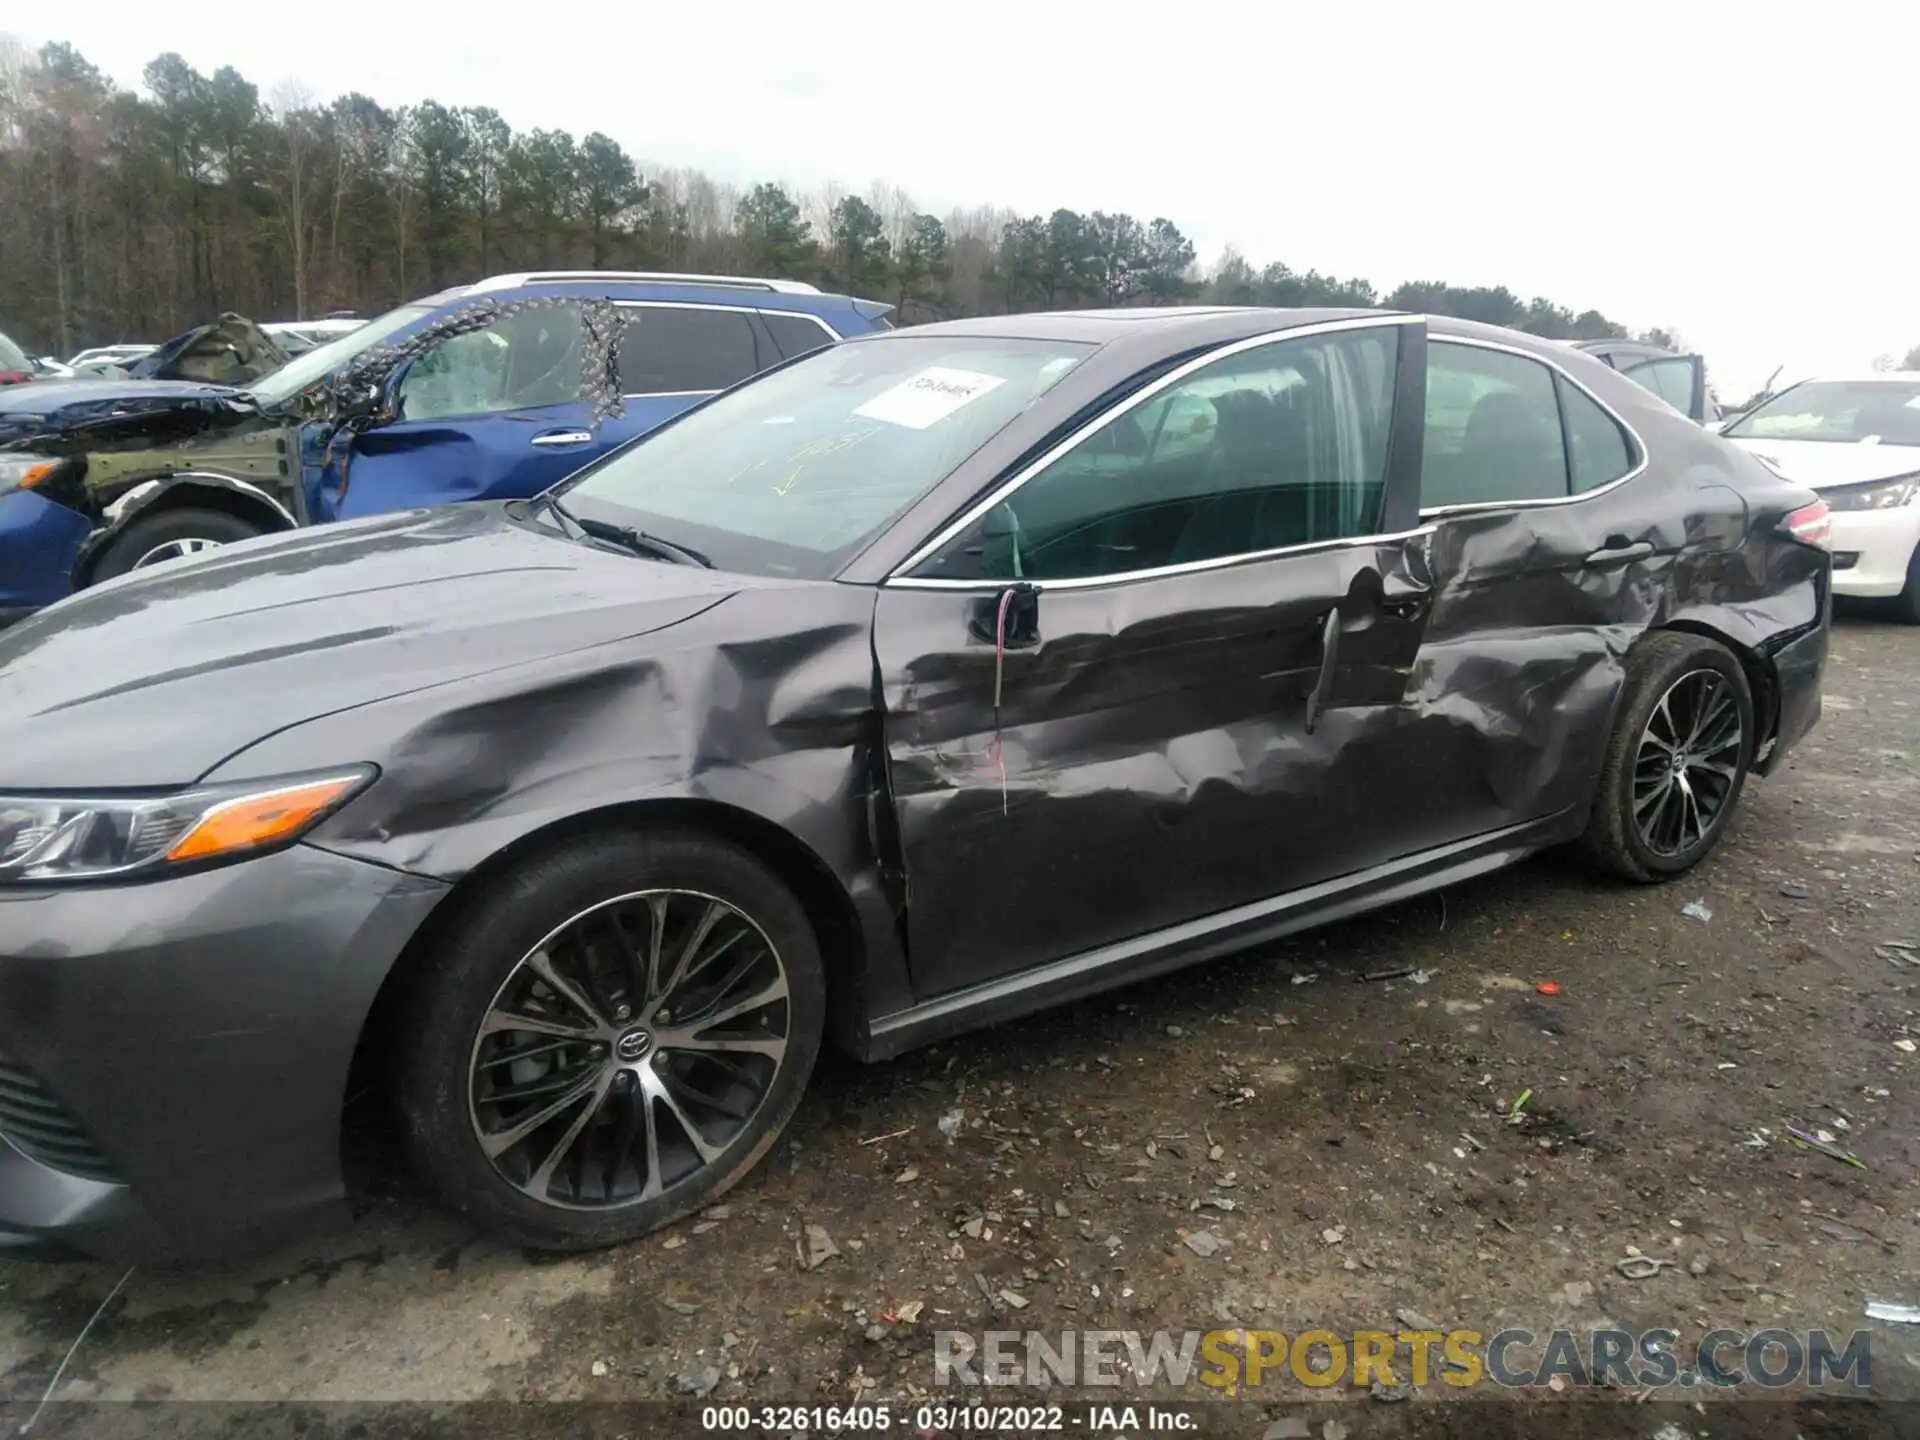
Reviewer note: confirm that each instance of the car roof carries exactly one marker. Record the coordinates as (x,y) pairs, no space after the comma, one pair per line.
(756,292)
(1171,326)
(1144,332)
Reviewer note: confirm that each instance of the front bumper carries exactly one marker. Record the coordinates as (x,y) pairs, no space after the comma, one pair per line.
(174,1055)
(38,542)
(1881,544)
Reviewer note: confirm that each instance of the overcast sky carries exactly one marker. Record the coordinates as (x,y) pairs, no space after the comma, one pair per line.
(1743,175)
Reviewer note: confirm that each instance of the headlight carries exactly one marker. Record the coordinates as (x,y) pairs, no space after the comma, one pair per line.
(53,838)
(23,472)
(1881,495)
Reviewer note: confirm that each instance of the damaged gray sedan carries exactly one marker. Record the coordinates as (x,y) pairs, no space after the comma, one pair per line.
(915,685)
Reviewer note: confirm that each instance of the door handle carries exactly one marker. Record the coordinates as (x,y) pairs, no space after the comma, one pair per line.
(1617,551)
(1329,652)
(564,437)
(1402,597)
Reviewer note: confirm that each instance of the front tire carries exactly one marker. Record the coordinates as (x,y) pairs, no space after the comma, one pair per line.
(1682,743)
(609,1036)
(170,535)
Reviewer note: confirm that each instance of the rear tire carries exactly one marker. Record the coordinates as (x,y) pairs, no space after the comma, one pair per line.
(675,1101)
(169,535)
(1682,743)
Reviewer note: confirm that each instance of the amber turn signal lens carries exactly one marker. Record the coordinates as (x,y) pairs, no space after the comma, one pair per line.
(255,820)
(36,474)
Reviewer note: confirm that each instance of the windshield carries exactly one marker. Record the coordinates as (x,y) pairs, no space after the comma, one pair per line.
(1875,412)
(316,364)
(793,472)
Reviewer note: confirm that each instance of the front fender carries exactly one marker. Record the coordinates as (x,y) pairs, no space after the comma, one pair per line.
(178,488)
(762,707)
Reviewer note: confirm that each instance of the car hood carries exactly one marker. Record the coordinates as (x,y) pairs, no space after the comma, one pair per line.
(230,351)
(84,408)
(206,656)
(1820,463)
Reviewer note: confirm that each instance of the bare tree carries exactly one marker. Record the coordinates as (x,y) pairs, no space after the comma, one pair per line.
(291,110)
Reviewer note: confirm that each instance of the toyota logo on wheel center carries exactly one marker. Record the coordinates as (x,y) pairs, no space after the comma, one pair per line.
(633,1045)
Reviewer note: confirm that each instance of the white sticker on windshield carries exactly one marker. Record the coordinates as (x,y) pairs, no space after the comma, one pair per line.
(932,395)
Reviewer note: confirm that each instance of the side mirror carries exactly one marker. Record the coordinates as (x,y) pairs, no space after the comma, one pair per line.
(387,408)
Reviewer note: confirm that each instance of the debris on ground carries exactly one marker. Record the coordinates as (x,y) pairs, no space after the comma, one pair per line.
(907,1176)
(1697,910)
(1516,1111)
(1548,987)
(1203,1243)
(1796,892)
(817,1248)
(1898,1314)
(1414,1320)
(951,1122)
(599,1369)
(1642,1267)
(1398,972)
(1823,1142)
(1906,1045)
(697,1383)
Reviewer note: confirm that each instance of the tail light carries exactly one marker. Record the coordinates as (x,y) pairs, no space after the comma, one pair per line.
(1810,524)
(15,377)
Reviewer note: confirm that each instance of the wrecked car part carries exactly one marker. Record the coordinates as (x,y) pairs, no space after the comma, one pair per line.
(358,396)
(1109,782)
(230,351)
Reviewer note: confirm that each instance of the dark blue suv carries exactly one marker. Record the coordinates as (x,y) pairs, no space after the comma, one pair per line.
(494,390)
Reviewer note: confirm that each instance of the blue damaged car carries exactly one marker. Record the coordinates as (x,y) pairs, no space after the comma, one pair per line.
(488,391)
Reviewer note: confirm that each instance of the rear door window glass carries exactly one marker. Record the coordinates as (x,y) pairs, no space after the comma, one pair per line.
(1493,429)
(674,350)
(795,334)
(1598,452)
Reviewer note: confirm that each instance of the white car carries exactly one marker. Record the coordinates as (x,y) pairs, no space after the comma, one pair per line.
(1856,440)
(109,354)
(298,336)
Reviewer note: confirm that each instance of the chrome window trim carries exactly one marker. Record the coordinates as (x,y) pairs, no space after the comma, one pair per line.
(1633,436)
(833,336)
(732,309)
(1107,417)
(1188,567)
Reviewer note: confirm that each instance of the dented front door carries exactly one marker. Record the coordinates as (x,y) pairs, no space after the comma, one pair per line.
(1162,748)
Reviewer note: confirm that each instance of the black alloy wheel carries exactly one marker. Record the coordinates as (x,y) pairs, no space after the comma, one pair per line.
(604,1038)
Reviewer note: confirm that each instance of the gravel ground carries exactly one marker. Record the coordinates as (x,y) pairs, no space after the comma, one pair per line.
(1337,1144)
